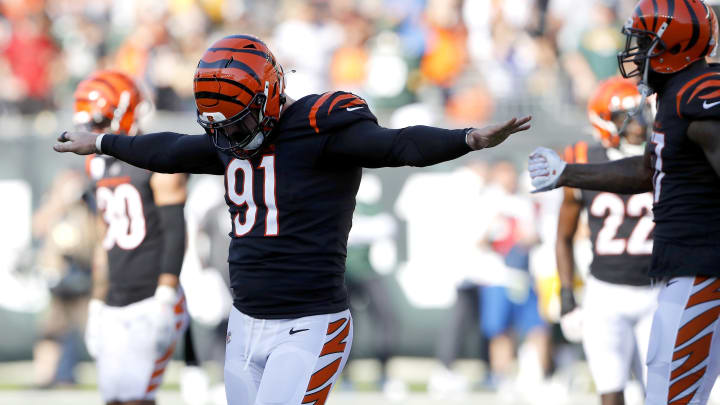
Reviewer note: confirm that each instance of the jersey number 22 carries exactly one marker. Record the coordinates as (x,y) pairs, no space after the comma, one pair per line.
(638,243)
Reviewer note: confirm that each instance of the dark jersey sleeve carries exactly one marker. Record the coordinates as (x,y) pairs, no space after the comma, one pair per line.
(336,110)
(366,144)
(699,99)
(165,152)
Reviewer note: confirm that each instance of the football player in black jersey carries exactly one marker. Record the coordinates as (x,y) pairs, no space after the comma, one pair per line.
(137,311)
(619,301)
(292,169)
(667,45)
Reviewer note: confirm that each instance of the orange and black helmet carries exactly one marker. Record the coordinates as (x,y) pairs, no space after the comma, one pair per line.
(108,100)
(239,93)
(667,35)
(612,97)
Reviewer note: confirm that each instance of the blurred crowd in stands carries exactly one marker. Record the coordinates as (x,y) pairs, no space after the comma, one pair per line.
(455,57)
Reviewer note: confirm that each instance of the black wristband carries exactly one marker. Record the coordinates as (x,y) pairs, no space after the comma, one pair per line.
(567,300)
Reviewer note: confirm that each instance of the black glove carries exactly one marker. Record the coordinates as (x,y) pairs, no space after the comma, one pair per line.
(567,300)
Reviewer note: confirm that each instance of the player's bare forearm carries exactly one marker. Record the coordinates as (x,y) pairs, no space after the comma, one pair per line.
(567,226)
(99,273)
(623,176)
(565,262)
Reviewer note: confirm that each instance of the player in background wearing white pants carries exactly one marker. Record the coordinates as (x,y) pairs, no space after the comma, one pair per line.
(137,310)
(667,45)
(616,314)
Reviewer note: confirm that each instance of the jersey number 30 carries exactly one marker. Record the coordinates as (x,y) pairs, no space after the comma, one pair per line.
(638,205)
(245,198)
(123,212)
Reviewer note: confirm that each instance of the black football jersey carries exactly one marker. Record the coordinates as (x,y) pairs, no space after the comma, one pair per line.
(686,188)
(291,213)
(621,226)
(133,239)
(291,206)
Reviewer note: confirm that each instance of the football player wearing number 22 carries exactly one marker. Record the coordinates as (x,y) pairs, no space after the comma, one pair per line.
(292,169)
(667,44)
(620,299)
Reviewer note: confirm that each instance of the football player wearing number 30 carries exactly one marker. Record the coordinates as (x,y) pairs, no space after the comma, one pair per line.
(667,43)
(137,310)
(619,302)
(292,169)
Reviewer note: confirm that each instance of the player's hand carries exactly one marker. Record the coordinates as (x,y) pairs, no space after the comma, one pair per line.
(164,318)
(493,135)
(80,142)
(93,327)
(545,168)
(571,325)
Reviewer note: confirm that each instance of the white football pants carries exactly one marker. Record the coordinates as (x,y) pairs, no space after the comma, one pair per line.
(285,361)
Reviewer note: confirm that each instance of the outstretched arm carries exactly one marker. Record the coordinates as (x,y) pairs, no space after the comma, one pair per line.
(163,152)
(369,145)
(624,176)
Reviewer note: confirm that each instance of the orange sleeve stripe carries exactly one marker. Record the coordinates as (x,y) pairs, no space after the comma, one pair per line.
(687,85)
(357,101)
(312,117)
(581,150)
(714,94)
(569,154)
(339,99)
(703,86)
